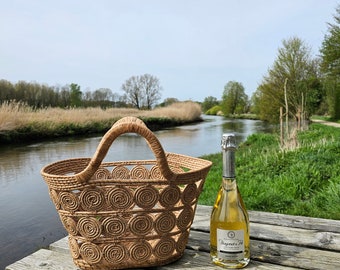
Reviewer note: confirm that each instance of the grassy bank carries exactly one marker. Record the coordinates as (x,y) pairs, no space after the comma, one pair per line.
(304,181)
(21,123)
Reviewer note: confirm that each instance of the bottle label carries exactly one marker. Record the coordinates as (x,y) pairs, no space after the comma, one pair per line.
(230,244)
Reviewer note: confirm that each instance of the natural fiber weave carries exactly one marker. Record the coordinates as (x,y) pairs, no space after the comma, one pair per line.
(126,214)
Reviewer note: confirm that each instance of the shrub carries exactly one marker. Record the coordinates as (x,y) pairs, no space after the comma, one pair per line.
(216,110)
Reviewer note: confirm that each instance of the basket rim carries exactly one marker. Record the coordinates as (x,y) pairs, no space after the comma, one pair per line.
(204,164)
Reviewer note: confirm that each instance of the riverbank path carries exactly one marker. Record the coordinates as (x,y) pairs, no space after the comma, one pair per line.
(327,123)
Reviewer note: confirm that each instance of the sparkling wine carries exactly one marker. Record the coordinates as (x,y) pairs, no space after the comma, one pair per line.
(229,223)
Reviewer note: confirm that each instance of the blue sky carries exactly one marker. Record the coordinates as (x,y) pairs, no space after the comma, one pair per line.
(193,47)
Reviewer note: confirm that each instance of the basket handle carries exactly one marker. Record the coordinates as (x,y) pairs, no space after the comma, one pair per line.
(126,125)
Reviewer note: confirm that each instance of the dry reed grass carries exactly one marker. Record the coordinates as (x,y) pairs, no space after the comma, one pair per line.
(180,111)
(14,115)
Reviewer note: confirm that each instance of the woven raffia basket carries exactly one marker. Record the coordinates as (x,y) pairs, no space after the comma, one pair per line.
(126,214)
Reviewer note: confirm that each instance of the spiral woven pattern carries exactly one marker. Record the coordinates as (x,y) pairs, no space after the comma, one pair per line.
(189,194)
(141,224)
(165,223)
(170,196)
(114,226)
(69,224)
(69,201)
(120,198)
(92,199)
(114,253)
(155,173)
(90,253)
(185,218)
(89,227)
(139,172)
(140,251)
(164,248)
(120,172)
(102,173)
(146,197)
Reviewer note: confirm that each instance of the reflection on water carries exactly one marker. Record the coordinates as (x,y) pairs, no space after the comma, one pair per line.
(28,218)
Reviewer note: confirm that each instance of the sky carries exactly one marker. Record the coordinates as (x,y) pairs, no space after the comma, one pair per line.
(193,47)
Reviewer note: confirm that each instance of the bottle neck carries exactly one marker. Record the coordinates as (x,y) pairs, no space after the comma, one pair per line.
(228,163)
(229,184)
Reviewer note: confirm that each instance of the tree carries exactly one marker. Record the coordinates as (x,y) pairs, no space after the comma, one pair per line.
(142,91)
(75,95)
(330,65)
(234,98)
(63,94)
(209,102)
(151,88)
(7,91)
(103,97)
(168,101)
(102,94)
(295,67)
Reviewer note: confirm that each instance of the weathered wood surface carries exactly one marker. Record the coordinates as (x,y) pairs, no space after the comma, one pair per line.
(277,242)
(317,233)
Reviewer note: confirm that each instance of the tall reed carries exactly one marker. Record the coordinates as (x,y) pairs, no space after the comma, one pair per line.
(16,115)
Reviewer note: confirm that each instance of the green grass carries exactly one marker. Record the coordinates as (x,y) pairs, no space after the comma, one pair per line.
(304,181)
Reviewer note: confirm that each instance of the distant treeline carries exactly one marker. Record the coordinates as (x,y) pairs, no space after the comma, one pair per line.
(41,95)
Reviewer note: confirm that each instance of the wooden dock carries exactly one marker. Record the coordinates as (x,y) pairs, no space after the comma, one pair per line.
(277,242)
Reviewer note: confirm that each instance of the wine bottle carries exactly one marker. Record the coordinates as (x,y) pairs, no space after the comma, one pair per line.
(229,222)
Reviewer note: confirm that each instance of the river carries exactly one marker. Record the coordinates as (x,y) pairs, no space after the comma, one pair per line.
(29,221)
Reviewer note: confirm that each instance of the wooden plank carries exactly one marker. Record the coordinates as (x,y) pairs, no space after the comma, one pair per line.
(201,260)
(44,259)
(280,254)
(319,224)
(60,246)
(274,233)
(301,237)
(289,255)
(54,260)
